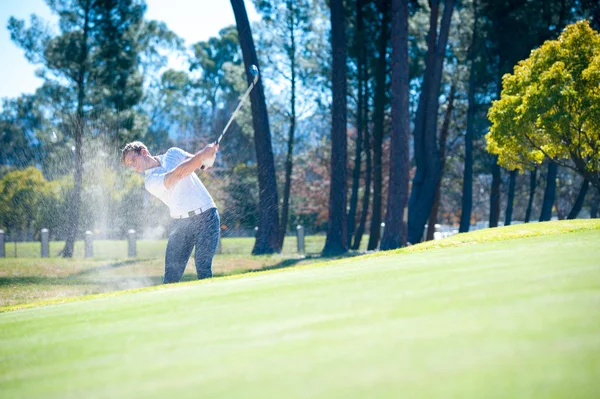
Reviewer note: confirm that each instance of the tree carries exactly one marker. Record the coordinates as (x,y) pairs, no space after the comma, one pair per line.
(393,235)
(94,62)
(579,201)
(532,187)
(513,28)
(380,101)
(22,192)
(550,107)
(427,157)
(443,144)
(467,189)
(210,57)
(335,242)
(358,48)
(20,119)
(287,28)
(267,238)
(242,198)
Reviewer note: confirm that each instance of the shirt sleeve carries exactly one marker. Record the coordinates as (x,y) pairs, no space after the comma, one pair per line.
(174,156)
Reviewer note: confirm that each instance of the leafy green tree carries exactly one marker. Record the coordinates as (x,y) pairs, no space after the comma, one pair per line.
(240,207)
(167,104)
(211,57)
(20,120)
(550,107)
(217,79)
(94,63)
(22,193)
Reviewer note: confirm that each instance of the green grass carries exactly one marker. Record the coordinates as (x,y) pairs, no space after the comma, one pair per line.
(25,282)
(484,316)
(28,280)
(153,249)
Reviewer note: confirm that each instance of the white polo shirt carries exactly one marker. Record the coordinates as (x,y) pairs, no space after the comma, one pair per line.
(188,194)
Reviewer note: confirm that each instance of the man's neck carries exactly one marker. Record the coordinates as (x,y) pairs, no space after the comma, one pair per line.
(153,163)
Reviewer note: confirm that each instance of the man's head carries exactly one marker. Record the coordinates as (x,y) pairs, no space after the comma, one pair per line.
(136,156)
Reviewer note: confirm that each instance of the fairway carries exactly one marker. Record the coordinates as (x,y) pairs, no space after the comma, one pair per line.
(505,319)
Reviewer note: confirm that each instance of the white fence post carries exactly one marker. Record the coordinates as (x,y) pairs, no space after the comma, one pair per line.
(300,235)
(89,244)
(2,249)
(131,250)
(381,229)
(219,248)
(45,238)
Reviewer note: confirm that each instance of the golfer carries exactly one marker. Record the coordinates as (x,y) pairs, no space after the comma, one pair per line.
(195,221)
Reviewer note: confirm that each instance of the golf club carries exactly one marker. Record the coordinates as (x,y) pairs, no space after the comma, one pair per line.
(254,72)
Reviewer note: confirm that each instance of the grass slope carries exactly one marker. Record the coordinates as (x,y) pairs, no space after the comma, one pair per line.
(512,318)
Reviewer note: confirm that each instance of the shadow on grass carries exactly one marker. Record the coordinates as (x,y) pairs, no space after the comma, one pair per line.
(93,275)
(117,282)
(105,268)
(307,259)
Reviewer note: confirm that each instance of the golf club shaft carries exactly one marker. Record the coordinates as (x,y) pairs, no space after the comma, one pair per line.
(238,107)
(236,111)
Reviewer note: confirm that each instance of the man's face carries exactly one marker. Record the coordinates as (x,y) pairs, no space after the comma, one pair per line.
(135,160)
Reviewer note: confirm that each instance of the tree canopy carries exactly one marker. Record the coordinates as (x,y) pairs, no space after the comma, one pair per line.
(550,106)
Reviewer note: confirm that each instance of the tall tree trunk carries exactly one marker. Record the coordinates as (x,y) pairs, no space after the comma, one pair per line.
(366,200)
(467,191)
(532,186)
(580,199)
(393,235)
(495,194)
(289,161)
(78,127)
(426,150)
(595,203)
(550,192)
(511,198)
(267,237)
(443,140)
(496,170)
(335,242)
(358,45)
(378,115)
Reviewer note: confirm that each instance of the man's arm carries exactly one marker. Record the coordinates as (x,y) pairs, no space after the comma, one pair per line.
(190,165)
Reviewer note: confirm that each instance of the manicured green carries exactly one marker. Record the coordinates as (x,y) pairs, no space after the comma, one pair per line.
(483,317)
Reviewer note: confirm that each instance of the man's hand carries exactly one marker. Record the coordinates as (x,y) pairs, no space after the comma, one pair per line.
(211,155)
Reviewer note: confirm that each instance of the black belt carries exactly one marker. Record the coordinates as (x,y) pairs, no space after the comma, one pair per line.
(190,214)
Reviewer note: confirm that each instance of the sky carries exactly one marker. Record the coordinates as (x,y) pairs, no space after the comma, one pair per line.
(193,20)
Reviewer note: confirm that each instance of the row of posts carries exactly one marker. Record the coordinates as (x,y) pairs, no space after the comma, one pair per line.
(131,243)
(89,243)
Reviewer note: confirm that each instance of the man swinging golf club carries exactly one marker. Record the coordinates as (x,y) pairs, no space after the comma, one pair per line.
(171,178)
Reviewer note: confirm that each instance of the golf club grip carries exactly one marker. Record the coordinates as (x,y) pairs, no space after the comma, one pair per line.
(216,142)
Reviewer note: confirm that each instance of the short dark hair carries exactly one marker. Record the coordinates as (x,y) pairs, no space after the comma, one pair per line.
(136,146)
